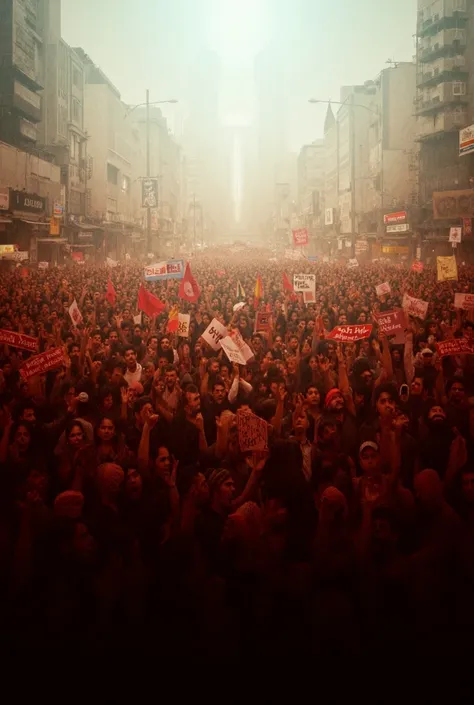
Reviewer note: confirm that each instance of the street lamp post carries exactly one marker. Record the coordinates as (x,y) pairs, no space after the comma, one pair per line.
(352,107)
(148,168)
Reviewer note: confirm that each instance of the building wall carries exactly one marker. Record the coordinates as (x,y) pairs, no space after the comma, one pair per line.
(26,172)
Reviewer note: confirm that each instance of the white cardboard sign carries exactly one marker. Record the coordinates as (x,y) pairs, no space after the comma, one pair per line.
(232,351)
(184,319)
(383,289)
(214,333)
(304,282)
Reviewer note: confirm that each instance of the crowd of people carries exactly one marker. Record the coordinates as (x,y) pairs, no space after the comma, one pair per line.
(129,508)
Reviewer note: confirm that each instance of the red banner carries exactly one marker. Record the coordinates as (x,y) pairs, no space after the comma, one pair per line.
(349,334)
(455,346)
(42,363)
(18,340)
(398,217)
(391,322)
(417,266)
(300,237)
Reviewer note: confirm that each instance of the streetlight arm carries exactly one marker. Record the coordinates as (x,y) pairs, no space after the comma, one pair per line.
(143,105)
(349,105)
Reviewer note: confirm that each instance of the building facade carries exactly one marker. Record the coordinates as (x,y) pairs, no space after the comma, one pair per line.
(310,170)
(444,105)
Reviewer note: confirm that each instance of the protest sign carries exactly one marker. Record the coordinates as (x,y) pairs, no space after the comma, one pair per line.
(111,262)
(214,333)
(455,346)
(138,319)
(392,323)
(304,282)
(253,432)
(383,289)
(18,340)
(173,269)
(464,301)
(184,320)
(232,351)
(263,322)
(415,307)
(417,266)
(349,334)
(300,237)
(38,364)
(447,269)
(352,263)
(76,315)
(309,297)
(292,254)
(455,234)
(246,351)
(43,265)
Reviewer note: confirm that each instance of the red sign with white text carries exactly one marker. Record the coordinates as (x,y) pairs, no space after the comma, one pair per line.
(391,322)
(300,237)
(392,218)
(18,340)
(41,363)
(349,334)
(417,266)
(455,346)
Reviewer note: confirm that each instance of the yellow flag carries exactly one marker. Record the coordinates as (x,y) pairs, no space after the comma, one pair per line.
(447,269)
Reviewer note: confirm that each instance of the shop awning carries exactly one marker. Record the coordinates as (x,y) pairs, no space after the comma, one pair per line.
(40,223)
(53,240)
(85,227)
(83,244)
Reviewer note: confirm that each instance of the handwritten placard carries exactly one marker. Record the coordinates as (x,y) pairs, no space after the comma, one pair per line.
(263,322)
(349,334)
(391,322)
(184,320)
(415,307)
(18,340)
(214,333)
(464,301)
(38,364)
(383,289)
(304,282)
(455,346)
(246,351)
(230,348)
(253,432)
(352,263)
(447,269)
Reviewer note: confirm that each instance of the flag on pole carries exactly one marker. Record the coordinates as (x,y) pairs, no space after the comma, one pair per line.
(173,320)
(189,288)
(287,285)
(148,303)
(240,294)
(111,295)
(258,293)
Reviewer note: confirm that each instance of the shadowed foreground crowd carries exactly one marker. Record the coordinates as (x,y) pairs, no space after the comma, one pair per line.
(129,513)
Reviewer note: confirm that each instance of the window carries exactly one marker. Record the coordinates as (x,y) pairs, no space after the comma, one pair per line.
(76,77)
(459,88)
(76,110)
(73,147)
(125,184)
(112,174)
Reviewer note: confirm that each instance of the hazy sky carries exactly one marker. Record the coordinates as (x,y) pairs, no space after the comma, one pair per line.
(153,43)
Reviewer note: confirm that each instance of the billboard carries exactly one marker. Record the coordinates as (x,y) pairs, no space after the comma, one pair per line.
(453,204)
(150,193)
(466,141)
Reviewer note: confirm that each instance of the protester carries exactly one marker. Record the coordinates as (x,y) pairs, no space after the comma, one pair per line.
(126,486)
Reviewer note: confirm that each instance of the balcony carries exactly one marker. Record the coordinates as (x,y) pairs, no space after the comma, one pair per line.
(448,42)
(434,100)
(26,102)
(438,124)
(447,19)
(450,68)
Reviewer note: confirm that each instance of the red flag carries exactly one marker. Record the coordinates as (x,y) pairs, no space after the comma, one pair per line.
(148,303)
(287,285)
(189,288)
(110,295)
